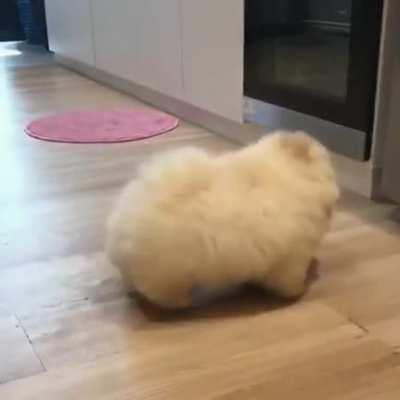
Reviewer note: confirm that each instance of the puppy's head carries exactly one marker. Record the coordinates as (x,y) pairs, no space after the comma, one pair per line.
(305,158)
(300,151)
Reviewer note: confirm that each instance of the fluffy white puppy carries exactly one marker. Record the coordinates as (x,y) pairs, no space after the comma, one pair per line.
(194,221)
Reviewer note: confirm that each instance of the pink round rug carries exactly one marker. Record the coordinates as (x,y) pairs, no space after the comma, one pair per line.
(102,126)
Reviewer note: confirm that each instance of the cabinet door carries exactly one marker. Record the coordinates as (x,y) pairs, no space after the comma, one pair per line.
(116,37)
(213,46)
(161,45)
(69,27)
(140,41)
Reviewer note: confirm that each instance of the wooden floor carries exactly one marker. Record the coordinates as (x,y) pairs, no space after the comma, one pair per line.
(67,330)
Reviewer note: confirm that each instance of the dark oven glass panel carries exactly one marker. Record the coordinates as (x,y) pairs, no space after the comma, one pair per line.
(318,57)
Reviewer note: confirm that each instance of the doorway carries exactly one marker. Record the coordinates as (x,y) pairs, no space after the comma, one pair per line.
(10,24)
(23,20)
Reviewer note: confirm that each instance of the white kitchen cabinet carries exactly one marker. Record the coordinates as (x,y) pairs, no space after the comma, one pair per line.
(213,47)
(191,50)
(115,28)
(140,41)
(162,42)
(70,29)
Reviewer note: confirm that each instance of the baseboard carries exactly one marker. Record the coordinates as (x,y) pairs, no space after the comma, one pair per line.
(357,176)
(238,132)
(354,175)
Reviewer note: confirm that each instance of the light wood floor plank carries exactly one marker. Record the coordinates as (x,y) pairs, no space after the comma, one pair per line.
(68,330)
(17,356)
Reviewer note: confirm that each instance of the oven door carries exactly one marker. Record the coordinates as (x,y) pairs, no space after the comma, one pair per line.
(312,65)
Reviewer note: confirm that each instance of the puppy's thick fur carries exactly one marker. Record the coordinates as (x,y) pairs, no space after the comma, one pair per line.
(191,220)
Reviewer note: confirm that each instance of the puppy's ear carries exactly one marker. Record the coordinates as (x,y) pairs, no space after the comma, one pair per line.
(298,144)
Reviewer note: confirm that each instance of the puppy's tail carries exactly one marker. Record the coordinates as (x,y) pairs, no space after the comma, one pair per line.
(299,145)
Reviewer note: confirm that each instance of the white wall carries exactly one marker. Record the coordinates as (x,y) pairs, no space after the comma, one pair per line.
(213,47)
(70,29)
(140,41)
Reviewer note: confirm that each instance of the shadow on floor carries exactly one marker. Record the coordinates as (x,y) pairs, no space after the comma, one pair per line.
(248,300)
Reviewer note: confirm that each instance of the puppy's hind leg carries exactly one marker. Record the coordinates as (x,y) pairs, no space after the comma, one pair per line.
(288,279)
(169,296)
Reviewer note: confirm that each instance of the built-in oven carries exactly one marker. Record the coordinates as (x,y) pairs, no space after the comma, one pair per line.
(312,65)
